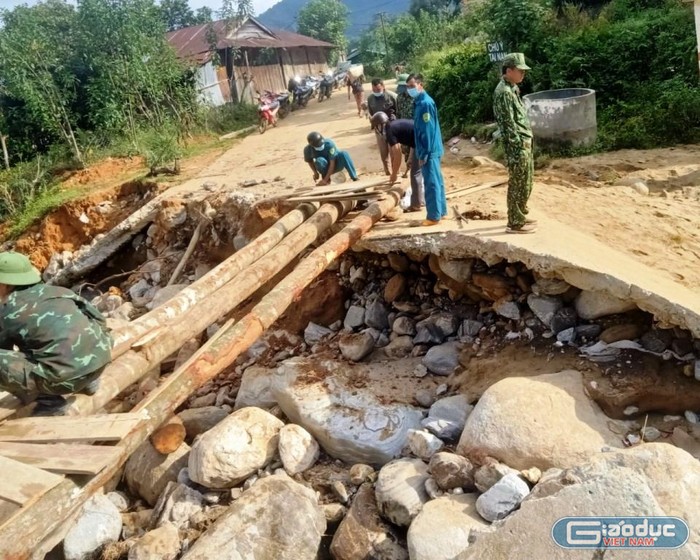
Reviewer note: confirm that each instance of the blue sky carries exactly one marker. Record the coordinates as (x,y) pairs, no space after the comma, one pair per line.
(259,5)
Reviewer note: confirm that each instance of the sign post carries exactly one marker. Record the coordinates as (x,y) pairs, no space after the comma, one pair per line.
(496,50)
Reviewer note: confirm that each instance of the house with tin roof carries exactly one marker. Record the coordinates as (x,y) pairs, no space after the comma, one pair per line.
(234,60)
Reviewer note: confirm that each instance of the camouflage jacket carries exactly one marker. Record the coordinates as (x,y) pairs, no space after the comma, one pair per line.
(404,106)
(56,328)
(511,115)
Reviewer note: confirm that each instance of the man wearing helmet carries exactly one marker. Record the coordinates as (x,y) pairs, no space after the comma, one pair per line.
(62,340)
(400,133)
(325,159)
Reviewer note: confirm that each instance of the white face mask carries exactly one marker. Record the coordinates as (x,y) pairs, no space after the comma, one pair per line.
(320,148)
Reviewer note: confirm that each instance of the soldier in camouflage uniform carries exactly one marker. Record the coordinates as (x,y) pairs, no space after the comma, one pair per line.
(516,135)
(62,340)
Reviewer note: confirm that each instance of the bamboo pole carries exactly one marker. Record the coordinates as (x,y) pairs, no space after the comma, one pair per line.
(30,526)
(162,342)
(222,274)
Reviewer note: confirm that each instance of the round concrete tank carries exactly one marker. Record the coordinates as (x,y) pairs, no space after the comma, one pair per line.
(563,117)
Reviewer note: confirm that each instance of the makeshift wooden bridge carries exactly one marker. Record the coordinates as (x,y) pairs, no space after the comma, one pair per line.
(51,466)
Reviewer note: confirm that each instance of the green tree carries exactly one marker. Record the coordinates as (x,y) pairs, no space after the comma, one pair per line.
(203,15)
(245,9)
(132,76)
(177,14)
(433,7)
(37,46)
(325,20)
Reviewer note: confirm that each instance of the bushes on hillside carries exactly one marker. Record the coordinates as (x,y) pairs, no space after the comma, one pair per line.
(639,56)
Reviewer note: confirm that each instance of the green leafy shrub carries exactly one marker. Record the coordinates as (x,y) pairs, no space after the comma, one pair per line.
(462,80)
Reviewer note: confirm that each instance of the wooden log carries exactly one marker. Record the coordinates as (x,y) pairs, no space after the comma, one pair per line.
(129,367)
(29,527)
(223,273)
(234,338)
(336,197)
(169,437)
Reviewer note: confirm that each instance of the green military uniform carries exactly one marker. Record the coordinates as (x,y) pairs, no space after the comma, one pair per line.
(516,135)
(404,102)
(62,340)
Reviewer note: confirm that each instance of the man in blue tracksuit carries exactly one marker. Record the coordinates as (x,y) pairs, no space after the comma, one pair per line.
(325,159)
(428,149)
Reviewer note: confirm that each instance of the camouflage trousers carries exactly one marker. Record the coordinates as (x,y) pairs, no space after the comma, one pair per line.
(520,173)
(26,379)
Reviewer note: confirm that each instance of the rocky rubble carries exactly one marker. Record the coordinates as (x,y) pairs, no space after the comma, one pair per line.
(355,439)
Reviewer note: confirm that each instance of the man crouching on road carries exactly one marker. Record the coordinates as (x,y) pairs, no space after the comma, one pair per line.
(516,135)
(62,339)
(325,159)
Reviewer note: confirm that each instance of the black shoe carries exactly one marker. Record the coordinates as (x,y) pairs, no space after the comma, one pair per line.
(50,405)
(91,388)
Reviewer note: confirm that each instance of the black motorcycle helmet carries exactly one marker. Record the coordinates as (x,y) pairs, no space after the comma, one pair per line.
(378,119)
(315,139)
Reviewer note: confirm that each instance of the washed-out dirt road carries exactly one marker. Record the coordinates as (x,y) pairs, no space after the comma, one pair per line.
(591,194)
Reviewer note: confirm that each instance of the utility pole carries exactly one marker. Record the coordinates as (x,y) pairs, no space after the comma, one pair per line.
(697,25)
(386,46)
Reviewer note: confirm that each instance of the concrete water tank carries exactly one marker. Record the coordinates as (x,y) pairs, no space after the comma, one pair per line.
(563,117)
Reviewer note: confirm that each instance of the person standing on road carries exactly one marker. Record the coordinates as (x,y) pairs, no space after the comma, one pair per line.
(429,150)
(325,159)
(385,101)
(355,86)
(398,134)
(404,110)
(516,135)
(52,342)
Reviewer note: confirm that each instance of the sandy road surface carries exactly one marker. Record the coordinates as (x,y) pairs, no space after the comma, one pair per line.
(661,230)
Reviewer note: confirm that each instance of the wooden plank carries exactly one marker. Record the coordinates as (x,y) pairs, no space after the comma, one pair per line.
(475,188)
(343,188)
(337,198)
(62,458)
(104,427)
(21,483)
(9,404)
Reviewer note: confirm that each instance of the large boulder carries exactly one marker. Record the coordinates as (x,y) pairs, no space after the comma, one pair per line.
(364,534)
(350,424)
(543,421)
(613,491)
(441,530)
(235,448)
(673,475)
(200,420)
(255,388)
(148,472)
(99,523)
(400,490)
(276,519)
(592,305)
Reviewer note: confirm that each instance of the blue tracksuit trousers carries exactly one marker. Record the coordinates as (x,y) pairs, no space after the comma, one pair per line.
(434,184)
(342,163)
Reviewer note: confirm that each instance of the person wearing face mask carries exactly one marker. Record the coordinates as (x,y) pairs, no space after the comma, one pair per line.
(429,150)
(381,100)
(516,135)
(325,159)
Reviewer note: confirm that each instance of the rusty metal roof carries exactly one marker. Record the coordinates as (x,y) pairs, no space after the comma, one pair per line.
(192,42)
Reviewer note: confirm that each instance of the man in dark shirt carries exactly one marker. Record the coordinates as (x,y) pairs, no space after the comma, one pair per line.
(396,134)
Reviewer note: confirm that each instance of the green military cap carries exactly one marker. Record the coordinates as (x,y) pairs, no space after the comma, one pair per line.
(515,60)
(17,270)
(402,79)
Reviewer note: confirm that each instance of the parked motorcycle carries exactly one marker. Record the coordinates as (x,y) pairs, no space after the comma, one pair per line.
(282,98)
(268,109)
(301,93)
(326,87)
